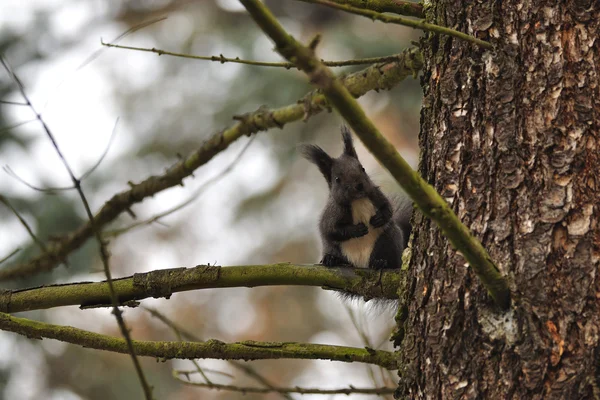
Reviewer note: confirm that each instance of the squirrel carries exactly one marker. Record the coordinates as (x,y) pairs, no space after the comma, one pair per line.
(359,226)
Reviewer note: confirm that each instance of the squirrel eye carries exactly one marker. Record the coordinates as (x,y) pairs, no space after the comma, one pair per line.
(363,169)
(337,178)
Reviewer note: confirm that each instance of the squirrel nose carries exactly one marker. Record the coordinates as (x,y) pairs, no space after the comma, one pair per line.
(359,187)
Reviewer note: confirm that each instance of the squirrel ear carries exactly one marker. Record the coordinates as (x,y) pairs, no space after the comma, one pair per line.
(317,156)
(348,145)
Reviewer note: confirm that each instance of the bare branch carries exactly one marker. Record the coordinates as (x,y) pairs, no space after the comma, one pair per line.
(102,246)
(14,103)
(18,124)
(401,7)
(347,391)
(247,350)
(222,59)
(164,282)
(12,253)
(104,153)
(50,190)
(33,236)
(376,77)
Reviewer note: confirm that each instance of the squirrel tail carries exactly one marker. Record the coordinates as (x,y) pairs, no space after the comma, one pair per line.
(403,209)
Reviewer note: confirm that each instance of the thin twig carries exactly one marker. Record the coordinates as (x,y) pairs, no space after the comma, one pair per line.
(48,190)
(99,51)
(195,196)
(401,7)
(104,153)
(53,190)
(102,246)
(13,103)
(423,194)
(376,77)
(33,236)
(16,125)
(347,391)
(246,350)
(222,59)
(12,253)
(393,19)
(187,335)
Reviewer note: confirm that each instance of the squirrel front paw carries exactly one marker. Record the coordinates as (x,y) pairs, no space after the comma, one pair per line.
(379,219)
(359,230)
(329,260)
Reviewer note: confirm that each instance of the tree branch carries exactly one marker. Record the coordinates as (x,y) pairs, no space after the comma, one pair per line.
(423,194)
(347,391)
(165,282)
(401,7)
(247,350)
(183,334)
(392,19)
(377,77)
(222,59)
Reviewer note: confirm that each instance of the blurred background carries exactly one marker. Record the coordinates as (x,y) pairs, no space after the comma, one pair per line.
(263,209)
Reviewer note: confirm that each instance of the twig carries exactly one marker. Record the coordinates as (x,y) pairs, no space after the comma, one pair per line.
(247,350)
(222,59)
(347,391)
(185,334)
(209,370)
(392,19)
(12,253)
(18,124)
(13,103)
(50,190)
(179,336)
(99,51)
(376,77)
(423,194)
(104,153)
(195,196)
(33,236)
(401,7)
(102,246)
(164,282)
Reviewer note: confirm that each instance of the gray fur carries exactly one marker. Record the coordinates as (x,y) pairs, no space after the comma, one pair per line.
(359,226)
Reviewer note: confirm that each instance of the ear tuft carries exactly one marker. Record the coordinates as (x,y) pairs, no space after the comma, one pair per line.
(317,156)
(348,144)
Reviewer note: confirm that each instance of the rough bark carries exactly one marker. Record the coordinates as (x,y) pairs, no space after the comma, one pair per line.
(511,139)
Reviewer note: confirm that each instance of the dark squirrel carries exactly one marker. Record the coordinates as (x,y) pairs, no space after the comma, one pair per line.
(359,226)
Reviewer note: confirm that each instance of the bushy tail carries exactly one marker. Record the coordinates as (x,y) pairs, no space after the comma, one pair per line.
(403,208)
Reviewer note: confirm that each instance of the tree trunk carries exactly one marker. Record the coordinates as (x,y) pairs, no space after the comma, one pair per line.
(511,139)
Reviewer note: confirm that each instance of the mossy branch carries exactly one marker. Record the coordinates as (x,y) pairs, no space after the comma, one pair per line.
(423,194)
(393,19)
(376,77)
(165,282)
(247,350)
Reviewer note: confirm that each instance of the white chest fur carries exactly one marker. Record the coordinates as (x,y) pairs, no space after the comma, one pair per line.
(358,250)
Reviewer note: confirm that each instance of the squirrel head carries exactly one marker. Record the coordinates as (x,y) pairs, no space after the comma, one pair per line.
(345,175)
